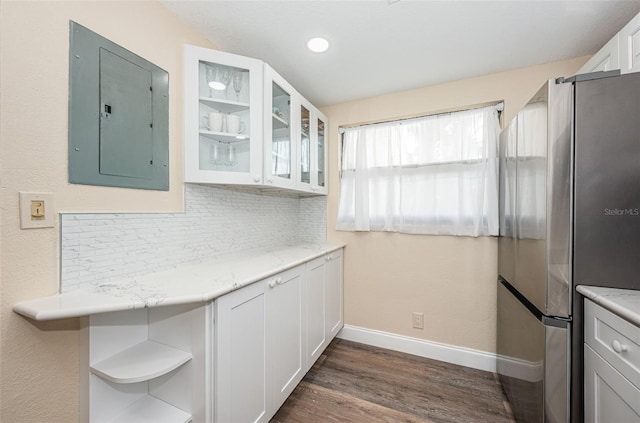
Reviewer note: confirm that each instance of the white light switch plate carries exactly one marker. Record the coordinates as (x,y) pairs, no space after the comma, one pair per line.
(29,222)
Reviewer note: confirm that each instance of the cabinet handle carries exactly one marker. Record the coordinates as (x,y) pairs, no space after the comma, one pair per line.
(618,347)
(272,283)
(270,180)
(330,257)
(256,179)
(279,280)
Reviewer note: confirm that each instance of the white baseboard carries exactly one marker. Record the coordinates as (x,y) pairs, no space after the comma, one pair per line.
(448,353)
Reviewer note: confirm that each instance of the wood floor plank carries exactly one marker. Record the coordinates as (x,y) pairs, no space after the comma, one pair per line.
(359,383)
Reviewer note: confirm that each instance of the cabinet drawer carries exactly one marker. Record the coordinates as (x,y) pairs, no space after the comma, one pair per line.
(615,339)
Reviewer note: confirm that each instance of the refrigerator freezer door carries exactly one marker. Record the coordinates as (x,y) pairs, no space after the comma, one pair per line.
(607,182)
(532,361)
(535,197)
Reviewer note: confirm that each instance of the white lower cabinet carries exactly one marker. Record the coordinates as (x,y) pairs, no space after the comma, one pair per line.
(334,288)
(285,333)
(234,360)
(611,362)
(316,339)
(146,365)
(270,333)
(324,303)
(240,356)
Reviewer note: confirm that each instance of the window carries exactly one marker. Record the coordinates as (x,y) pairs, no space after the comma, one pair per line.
(431,175)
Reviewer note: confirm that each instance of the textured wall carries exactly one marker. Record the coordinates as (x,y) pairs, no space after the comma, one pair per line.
(97,248)
(452,280)
(39,361)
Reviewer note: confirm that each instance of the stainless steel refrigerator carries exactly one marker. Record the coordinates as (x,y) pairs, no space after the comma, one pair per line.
(569,216)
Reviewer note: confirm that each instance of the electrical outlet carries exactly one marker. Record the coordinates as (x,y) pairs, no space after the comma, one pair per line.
(418,320)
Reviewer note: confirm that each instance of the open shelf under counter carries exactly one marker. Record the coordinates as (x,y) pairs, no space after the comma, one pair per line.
(142,362)
(226,106)
(225,136)
(152,410)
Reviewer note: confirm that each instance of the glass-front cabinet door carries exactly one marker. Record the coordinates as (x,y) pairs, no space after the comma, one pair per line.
(223,122)
(280,148)
(305,151)
(320,169)
(312,152)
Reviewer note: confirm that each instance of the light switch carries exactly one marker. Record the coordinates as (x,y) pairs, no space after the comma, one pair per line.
(36,210)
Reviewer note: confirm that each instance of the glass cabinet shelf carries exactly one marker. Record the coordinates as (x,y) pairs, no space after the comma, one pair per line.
(224,136)
(278,122)
(227,106)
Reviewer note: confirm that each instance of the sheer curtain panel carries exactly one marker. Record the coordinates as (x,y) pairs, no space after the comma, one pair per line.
(429,175)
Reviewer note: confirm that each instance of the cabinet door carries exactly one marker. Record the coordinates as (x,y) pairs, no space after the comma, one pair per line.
(222,117)
(316,317)
(240,360)
(630,46)
(305,150)
(333,287)
(320,168)
(285,302)
(606,59)
(280,149)
(608,396)
(312,150)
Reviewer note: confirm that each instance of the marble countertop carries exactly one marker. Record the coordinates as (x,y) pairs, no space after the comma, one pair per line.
(622,302)
(184,284)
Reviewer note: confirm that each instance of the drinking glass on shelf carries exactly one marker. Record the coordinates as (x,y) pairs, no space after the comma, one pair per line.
(237,84)
(212,77)
(225,78)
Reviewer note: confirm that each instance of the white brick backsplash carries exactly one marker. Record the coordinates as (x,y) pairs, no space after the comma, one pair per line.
(101,247)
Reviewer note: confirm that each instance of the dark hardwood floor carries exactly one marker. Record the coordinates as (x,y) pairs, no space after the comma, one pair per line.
(353,382)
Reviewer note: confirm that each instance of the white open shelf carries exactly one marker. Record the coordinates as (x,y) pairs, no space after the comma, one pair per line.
(143,361)
(151,410)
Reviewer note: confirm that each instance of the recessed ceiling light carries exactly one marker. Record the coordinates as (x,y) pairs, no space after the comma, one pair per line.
(318,45)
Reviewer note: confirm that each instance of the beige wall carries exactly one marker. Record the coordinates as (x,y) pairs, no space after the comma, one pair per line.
(39,362)
(387,275)
(452,280)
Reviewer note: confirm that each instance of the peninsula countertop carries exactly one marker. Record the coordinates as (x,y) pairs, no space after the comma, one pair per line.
(622,302)
(188,283)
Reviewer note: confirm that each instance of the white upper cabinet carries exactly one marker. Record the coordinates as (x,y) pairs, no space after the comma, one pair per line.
(280,147)
(630,46)
(246,125)
(621,52)
(223,117)
(312,152)
(606,59)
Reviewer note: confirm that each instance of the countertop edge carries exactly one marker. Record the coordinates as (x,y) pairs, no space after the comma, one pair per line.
(48,308)
(598,296)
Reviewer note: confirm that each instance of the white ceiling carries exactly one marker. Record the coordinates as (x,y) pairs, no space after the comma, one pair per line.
(382,46)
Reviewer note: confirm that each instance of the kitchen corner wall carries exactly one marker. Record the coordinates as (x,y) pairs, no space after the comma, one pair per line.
(39,362)
(452,280)
(98,248)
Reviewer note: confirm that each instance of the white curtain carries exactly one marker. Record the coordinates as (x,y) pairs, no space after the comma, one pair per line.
(431,175)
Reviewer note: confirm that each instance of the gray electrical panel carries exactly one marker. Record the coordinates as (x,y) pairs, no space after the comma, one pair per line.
(118,115)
